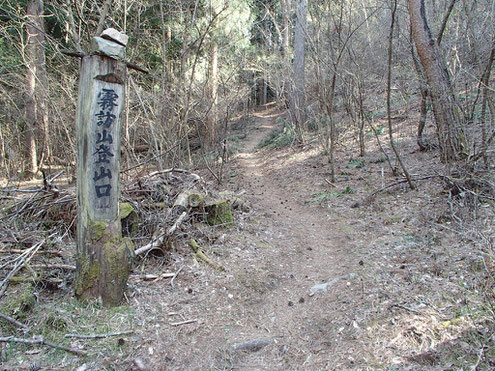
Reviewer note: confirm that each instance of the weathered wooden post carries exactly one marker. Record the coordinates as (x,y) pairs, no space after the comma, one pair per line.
(104,258)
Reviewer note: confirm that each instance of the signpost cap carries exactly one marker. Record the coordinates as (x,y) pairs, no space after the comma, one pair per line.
(107,47)
(113,35)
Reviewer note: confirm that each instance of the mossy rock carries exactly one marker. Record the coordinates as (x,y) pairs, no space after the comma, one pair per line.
(219,212)
(129,219)
(195,199)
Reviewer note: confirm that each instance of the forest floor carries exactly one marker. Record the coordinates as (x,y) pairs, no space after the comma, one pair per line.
(315,278)
(312,283)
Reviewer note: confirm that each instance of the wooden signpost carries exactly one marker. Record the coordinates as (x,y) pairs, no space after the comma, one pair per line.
(104,257)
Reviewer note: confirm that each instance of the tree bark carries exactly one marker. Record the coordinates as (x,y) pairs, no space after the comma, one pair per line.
(445,20)
(298,99)
(31,130)
(442,97)
(389,82)
(103,15)
(286,85)
(423,111)
(485,80)
(42,91)
(212,95)
(362,142)
(285,24)
(37,130)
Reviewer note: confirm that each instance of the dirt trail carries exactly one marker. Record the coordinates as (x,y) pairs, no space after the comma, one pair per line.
(308,248)
(307,235)
(275,255)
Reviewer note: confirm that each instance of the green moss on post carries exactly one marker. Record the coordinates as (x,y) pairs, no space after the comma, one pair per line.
(96,230)
(117,260)
(87,277)
(105,265)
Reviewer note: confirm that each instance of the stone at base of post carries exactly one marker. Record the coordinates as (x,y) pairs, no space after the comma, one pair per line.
(104,266)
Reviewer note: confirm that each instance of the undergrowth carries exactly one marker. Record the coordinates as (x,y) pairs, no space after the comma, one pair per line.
(54,320)
(282,135)
(320,197)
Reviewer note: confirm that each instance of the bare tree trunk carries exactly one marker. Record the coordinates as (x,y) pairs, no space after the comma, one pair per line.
(3,156)
(485,80)
(212,95)
(362,143)
(285,24)
(285,88)
(31,107)
(265,85)
(442,97)
(298,99)
(166,39)
(423,90)
(103,16)
(389,81)
(42,90)
(445,20)
(37,129)
(72,24)
(332,137)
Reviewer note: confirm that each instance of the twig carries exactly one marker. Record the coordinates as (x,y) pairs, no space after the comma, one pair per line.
(211,171)
(14,322)
(154,157)
(67,267)
(73,53)
(174,170)
(15,190)
(99,336)
(136,67)
(202,256)
(40,340)
(53,178)
(480,357)
(175,275)
(401,181)
(154,277)
(37,190)
(19,251)
(180,207)
(160,239)
(183,322)
(330,183)
(406,308)
(29,254)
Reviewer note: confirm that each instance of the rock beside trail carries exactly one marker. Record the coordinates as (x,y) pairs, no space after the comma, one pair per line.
(323,287)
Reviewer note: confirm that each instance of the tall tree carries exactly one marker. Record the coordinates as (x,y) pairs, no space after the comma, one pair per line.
(211,117)
(298,98)
(37,130)
(285,4)
(393,11)
(442,96)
